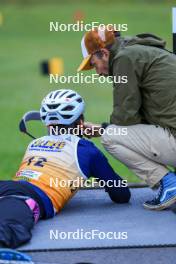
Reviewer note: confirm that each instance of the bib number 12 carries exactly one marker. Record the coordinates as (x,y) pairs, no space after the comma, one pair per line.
(39,162)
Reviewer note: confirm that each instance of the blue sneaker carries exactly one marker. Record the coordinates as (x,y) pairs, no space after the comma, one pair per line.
(166,195)
(13,255)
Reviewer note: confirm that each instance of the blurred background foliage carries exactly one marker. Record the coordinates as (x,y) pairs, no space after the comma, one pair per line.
(26,41)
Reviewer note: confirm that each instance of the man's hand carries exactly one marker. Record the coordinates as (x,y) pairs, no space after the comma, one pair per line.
(91,130)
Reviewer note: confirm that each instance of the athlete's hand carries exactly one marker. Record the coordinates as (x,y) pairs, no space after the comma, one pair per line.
(91,129)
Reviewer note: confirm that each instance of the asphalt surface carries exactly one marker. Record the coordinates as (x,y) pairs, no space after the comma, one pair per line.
(108,256)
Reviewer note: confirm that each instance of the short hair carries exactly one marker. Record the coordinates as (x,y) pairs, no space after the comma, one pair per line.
(68,127)
(99,54)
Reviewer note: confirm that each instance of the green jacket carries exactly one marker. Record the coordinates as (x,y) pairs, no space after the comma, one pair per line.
(149,96)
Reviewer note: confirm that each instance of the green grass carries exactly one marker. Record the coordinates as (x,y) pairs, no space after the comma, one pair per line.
(26,41)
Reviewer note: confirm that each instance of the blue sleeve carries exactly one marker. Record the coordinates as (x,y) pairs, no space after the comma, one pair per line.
(93,163)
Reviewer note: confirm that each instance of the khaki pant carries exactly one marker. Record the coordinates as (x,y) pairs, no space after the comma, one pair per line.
(146,150)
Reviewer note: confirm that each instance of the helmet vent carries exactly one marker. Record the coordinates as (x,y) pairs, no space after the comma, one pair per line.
(63,93)
(50,95)
(79,100)
(43,109)
(68,108)
(71,95)
(56,94)
(54,106)
(53,118)
(67,116)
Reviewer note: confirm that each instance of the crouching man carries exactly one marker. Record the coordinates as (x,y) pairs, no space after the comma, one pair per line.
(145,105)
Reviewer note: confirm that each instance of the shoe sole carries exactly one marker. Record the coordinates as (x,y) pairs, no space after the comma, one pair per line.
(13,255)
(161,206)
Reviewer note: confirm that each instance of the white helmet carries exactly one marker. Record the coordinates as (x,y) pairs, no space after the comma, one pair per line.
(61,107)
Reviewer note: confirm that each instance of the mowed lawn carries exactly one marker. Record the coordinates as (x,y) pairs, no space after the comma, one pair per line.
(25,42)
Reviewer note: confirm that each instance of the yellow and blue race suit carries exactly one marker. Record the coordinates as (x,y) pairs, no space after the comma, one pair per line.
(50,160)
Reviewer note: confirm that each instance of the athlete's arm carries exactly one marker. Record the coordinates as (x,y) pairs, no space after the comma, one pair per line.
(99,167)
